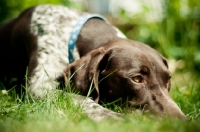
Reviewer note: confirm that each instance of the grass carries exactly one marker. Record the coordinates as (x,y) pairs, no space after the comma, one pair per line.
(58,114)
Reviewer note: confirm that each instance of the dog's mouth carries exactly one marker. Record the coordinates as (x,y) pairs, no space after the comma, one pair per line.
(142,106)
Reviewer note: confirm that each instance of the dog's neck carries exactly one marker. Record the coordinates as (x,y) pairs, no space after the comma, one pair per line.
(76,30)
(93,34)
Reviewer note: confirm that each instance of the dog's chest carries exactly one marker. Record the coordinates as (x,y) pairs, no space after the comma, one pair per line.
(53,25)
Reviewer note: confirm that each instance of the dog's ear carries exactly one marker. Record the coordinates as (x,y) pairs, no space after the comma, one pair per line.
(86,69)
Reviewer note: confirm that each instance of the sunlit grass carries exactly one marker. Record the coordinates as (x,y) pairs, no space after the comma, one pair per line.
(58,113)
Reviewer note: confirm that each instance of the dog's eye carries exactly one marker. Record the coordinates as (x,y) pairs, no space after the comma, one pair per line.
(137,79)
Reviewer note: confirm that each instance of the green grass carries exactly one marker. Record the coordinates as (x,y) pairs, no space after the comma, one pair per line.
(58,114)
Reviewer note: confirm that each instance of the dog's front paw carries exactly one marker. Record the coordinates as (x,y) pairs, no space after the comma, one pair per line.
(42,90)
(94,110)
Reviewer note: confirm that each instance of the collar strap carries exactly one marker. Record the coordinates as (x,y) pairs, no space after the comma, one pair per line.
(75,32)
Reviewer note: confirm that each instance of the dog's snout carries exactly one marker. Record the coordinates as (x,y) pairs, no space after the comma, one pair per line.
(165,106)
(172,109)
(161,105)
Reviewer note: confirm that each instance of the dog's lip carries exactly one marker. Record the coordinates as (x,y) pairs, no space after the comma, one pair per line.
(137,105)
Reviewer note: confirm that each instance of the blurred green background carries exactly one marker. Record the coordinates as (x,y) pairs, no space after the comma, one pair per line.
(176,35)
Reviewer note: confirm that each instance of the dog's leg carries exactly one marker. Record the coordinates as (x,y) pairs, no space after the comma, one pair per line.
(42,82)
(94,110)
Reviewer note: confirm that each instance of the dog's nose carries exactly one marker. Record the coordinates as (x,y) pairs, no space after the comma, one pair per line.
(181,116)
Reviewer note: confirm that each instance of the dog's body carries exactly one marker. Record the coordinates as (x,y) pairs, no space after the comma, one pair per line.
(38,41)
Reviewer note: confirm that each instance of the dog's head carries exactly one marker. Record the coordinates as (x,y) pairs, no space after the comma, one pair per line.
(128,70)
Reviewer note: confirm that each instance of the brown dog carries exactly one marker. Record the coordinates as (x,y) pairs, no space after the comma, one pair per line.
(119,68)
(129,70)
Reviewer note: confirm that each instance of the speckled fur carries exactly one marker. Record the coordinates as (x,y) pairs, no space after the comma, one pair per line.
(52,25)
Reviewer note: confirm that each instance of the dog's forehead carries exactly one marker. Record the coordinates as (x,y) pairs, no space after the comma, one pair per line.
(135,52)
(130,56)
(127,48)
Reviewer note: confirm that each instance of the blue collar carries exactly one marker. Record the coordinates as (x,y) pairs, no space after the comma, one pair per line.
(75,32)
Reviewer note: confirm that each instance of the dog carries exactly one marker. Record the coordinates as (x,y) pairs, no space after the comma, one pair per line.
(49,44)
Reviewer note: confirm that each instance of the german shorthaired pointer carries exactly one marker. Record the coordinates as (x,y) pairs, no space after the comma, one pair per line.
(43,41)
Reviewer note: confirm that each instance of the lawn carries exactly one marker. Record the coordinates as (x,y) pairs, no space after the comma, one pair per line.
(59,114)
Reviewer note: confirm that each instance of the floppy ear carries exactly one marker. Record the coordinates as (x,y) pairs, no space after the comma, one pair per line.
(82,71)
